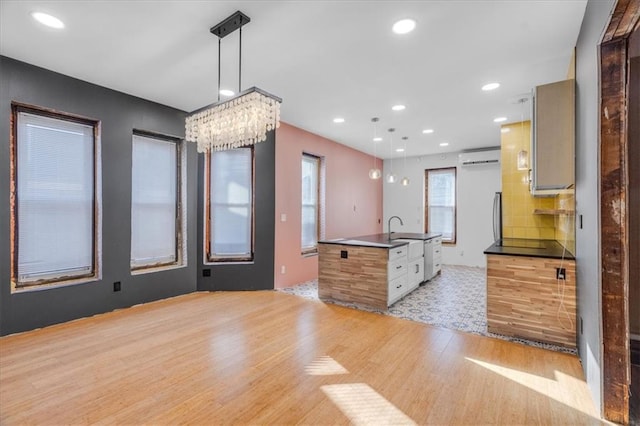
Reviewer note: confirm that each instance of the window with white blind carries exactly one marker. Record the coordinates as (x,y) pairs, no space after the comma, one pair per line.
(229,228)
(54,201)
(155,193)
(440,213)
(310,203)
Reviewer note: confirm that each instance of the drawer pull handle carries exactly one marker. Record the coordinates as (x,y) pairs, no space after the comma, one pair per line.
(399,286)
(399,267)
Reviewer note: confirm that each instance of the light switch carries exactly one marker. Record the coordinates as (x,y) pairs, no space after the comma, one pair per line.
(283,217)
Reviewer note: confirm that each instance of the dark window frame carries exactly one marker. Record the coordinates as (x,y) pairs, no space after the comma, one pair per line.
(306,251)
(16,109)
(453,240)
(209,258)
(179,237)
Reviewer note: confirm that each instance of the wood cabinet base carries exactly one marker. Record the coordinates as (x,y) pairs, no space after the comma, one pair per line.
(525,299)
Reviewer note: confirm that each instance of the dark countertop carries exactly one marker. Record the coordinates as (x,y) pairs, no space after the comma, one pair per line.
(414,235)
(380,240)
(531,248)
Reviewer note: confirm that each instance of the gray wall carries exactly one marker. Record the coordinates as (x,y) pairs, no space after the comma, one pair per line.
(119,114)
(257,275)
(587,194)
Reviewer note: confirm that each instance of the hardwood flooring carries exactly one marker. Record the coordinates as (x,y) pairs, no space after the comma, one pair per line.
(271,358)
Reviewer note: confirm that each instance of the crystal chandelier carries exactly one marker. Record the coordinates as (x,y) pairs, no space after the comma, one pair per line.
(239,121)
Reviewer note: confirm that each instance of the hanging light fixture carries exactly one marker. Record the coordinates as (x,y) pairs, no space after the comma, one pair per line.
(522,160)
(375,173)
(405,180)
(241,120)
(391,177)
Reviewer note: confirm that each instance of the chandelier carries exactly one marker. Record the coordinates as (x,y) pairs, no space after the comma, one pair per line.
(241,120)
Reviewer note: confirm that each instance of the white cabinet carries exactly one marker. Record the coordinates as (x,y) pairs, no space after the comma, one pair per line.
(432,257)
(415,257)
(397,274)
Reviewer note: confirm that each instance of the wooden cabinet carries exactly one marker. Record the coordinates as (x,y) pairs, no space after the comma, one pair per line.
(526,299)
(553,139)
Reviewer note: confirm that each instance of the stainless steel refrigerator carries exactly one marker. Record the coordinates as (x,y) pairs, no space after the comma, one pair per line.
(497,216)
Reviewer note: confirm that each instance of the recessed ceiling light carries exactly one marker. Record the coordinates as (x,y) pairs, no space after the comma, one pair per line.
(444,143)
(499,119)
(398,107)
(505,130)
(399,149)
(427,131)
(377,139)
(226,92)
(490,86)
(338,120)
(404,26)
(48,20)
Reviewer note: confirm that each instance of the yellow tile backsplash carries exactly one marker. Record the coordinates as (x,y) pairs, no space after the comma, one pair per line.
(518,205)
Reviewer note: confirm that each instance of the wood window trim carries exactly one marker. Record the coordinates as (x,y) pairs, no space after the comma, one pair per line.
(614,254)
(451,242)
(179,241)
(17,108)
(313,250)
(209,259)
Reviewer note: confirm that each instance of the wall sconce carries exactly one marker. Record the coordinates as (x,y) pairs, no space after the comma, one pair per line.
(523,160)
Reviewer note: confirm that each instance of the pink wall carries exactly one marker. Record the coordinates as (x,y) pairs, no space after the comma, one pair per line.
(353,202)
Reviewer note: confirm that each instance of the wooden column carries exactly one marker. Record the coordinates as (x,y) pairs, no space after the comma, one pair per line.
(614,209)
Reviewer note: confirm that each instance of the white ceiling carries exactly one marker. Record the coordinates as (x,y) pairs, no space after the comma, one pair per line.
(324,58)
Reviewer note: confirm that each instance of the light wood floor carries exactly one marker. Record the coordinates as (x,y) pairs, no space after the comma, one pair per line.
(272,358)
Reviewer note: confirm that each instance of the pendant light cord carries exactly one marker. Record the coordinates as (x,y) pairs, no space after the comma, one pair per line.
(219,47)
(240,64)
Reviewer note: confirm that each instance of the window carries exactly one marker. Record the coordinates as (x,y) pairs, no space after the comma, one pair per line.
(54,197)
(155,195)
(440,212)
(229,225)
(310,203)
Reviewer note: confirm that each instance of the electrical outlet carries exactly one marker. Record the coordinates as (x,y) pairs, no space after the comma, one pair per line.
(344,254)
(283,269)
(117,286)
(206,272)
(561,274)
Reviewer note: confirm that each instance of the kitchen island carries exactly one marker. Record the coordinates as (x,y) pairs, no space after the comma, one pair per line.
(531,291)
(371,270)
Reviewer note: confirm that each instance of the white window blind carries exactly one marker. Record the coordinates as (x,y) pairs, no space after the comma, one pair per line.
(55,198)
(231,204)
(154,202)
(310,202)
(441,193)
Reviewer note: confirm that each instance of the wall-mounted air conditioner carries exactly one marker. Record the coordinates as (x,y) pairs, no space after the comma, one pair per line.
(478,157)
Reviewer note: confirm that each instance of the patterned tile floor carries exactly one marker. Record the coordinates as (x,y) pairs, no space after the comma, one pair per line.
(456,299)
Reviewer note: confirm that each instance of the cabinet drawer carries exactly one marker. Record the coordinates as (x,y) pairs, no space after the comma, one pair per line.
(437,241)
(397,267)
(397,288)
(397,252)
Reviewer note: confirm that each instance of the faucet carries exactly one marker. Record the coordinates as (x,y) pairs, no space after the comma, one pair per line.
(389,225)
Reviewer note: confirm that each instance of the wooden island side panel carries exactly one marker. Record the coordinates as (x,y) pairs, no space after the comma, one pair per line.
(360,278)
(524,299)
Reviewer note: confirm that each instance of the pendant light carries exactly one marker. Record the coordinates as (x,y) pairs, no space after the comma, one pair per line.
(522,160)
(405,179)
(391,177)
(374,172)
